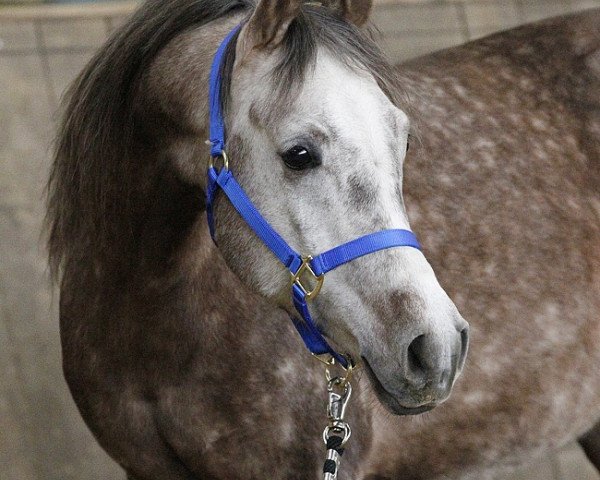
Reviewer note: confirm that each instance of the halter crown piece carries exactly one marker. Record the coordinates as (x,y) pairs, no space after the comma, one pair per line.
(300,267)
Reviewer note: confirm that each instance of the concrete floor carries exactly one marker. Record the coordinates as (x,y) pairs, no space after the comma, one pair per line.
(41,434)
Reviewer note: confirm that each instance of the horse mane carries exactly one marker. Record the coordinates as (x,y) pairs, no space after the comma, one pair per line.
(101,158)
(87,190)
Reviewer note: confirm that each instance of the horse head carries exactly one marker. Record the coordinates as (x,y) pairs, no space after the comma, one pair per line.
(317,138)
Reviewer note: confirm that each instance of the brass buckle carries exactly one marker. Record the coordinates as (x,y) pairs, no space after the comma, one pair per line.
(325,358)
(224,158)
(305,268)
(330,362)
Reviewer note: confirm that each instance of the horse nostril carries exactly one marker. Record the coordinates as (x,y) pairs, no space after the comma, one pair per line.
(464,346)
(433,361)
(416,356)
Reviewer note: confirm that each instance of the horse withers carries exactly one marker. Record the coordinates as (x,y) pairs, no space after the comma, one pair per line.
(180,356)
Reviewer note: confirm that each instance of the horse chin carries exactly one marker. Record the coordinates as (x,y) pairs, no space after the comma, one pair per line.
(389,401)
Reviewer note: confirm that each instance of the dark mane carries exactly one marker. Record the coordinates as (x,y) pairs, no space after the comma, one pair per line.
(87,188)
(94,199)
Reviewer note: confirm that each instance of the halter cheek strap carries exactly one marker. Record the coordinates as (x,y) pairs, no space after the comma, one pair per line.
(300,267)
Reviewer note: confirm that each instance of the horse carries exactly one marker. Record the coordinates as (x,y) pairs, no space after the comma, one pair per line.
(179,352)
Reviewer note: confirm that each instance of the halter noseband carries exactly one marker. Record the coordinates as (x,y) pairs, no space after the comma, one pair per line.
(299,266)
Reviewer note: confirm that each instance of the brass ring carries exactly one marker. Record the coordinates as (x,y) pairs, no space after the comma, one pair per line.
(223,156)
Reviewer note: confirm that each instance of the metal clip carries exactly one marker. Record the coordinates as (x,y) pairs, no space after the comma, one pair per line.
(336,409)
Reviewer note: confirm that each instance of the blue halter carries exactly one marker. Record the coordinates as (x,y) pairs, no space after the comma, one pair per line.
(300,267)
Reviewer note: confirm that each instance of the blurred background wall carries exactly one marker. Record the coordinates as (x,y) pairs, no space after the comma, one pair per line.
(42,47)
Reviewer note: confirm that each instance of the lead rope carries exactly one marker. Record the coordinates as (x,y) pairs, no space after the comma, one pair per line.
(337,432)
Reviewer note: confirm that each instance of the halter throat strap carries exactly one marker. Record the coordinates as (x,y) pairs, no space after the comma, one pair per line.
(298,265)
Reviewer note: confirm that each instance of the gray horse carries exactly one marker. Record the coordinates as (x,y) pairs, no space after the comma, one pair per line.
(180,355)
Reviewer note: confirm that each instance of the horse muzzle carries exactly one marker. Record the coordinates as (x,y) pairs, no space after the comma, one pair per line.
(430,363)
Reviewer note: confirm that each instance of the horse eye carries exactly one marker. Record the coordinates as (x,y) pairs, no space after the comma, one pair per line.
(299,158)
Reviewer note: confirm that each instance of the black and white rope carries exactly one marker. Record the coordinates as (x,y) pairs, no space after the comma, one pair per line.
(334,456)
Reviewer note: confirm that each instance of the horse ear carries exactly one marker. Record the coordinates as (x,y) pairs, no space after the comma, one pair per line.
(355,11)
(269,23)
